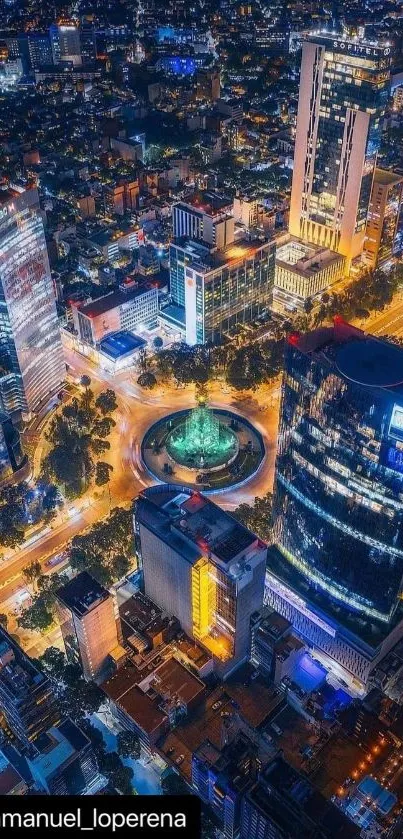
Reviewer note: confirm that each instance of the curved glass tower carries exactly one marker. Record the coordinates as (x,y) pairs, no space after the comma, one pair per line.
(339,472)
(31,355)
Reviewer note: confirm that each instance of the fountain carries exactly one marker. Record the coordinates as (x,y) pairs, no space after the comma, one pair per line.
(201,441)
(212,449)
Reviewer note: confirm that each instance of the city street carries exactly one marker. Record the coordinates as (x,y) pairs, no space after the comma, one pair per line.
(136,412)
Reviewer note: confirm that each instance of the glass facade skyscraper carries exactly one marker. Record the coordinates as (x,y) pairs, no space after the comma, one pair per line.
(31,355)
(344,89)
(338,500)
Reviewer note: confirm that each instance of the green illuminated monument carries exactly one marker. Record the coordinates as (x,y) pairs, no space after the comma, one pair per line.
(202,441)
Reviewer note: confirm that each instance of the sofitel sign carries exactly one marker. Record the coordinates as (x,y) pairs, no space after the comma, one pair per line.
(358,49)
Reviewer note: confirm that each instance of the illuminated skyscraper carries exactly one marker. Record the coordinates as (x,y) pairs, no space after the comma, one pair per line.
(337,570)
(65,42)
(202,566)
(31,355)
(343,92)
(384,236)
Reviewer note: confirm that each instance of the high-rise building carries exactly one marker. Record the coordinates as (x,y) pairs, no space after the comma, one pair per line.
(39,49)
(343,92)
(202,566)
(12,456)
(274,648)
(384,234)
(221,777)
(88,42)
(65,42)
(220,289)
(63,762)
(26,695)
(206,217)
(90,625)
(337,570)
(31,355)
(284,804)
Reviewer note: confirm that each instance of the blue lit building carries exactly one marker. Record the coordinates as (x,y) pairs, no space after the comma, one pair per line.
(63,762)
(221,777)
(180,65)
(337,568)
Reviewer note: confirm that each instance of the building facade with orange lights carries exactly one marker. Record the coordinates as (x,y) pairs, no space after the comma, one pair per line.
(202,566)
(344,88)
(384,228)
(90,625)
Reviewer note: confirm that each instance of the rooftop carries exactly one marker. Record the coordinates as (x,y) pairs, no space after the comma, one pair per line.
(111,301)
(122,689)
(361,358)
(57,746)
(206,258)
(17,670)
(82,594)
(192,524)
(306,259)
(292,803)
(138,612)
(173,679)
(208,202)
(371,362)
(382,176)
(118,344)
(9,779)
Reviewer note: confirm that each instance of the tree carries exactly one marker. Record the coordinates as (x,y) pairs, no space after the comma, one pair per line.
(99,446)
(38,616)
(106,402)
(12,528)
(97,550)
(173,784)
(120,776)
(3,620)
(257,517)
(102,473)
(208,828)
(76,696)
(85,381)
(158,342)
(120,566)
(53,662)
(147,380)
(51,498)
(128,745)
(32,572)
(247,369)
(102,427)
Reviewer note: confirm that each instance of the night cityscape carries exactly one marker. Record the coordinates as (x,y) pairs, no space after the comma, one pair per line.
(201,410)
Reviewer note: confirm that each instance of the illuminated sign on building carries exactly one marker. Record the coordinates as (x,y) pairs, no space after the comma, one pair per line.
(396,423)
(358,49)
